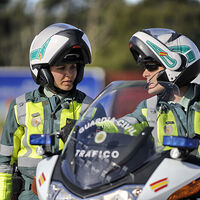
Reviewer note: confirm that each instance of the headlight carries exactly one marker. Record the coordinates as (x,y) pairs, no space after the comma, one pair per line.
(58,192)
(118,195)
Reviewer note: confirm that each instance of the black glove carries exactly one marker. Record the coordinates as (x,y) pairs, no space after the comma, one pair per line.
(65,131)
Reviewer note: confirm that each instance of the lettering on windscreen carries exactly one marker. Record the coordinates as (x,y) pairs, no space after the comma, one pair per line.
(120,123)
(96,153)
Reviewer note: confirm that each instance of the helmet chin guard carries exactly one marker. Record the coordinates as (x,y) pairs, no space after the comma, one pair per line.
(175,52)
(58,44)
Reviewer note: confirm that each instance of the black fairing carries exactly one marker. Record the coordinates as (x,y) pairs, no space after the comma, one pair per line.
(88,175)
(89,172)
(96,160)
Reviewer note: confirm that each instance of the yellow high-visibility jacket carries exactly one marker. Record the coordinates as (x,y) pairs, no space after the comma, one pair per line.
(168,119)
(33,113)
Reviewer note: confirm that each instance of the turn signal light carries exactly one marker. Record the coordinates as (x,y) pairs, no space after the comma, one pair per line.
(186,191)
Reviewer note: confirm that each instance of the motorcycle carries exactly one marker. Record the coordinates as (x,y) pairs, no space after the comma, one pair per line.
(105,162)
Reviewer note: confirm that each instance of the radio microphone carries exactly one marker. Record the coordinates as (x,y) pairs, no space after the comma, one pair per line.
(147,84)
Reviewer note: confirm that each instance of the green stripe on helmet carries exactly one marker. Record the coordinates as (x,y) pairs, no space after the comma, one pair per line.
(183,49)
(39,53)
(163,55)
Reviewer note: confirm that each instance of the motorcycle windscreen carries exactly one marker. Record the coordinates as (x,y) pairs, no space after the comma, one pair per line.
(107,143)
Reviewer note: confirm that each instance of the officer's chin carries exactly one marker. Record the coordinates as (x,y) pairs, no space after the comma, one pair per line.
(157,89)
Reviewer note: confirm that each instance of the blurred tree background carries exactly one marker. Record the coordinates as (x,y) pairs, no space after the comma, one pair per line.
(108,25)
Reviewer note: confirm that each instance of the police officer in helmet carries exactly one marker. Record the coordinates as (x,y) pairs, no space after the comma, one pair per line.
(58,55)
(172,58)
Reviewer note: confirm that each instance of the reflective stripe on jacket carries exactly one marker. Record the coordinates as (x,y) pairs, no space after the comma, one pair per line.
(166,122)
(169,124)
(5,186)
(29,114)
(35,119)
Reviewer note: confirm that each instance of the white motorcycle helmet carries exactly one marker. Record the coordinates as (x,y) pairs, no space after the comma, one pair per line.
(175,52)
(58,43)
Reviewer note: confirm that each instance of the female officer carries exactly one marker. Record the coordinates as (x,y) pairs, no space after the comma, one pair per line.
(58,55)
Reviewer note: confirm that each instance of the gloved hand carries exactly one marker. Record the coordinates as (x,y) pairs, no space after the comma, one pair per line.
(130,129)
(107,126)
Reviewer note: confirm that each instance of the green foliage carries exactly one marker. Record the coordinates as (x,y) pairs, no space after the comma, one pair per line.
(108,24)
(1,126)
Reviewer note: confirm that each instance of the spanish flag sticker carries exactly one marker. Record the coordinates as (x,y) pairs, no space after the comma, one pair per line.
(42,179)
(160,184)
(161,53)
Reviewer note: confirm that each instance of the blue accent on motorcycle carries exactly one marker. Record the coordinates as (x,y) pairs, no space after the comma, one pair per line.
(38,139)
(180,142)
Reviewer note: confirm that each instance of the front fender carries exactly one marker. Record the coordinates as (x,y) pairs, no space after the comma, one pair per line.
(170,176)
(43,176)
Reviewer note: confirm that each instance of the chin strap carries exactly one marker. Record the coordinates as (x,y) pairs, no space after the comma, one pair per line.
(162,76)
(169,91)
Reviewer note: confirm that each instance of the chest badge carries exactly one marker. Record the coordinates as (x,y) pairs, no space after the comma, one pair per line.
(168,129)
(36,119)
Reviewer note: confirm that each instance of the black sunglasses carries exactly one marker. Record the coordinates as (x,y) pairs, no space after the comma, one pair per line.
(151,66)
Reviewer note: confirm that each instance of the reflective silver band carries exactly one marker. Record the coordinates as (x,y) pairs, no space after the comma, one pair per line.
(25,143)
(6,169)
(28,162)
(6,150)
(21,109)
(152,115)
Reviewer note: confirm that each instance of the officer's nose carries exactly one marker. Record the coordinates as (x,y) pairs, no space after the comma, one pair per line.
(146,73)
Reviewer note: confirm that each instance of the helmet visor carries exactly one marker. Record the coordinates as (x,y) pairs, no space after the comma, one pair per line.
(155,32)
